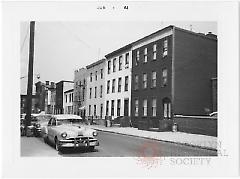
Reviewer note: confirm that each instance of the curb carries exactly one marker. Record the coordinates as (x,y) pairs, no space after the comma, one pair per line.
(180,143)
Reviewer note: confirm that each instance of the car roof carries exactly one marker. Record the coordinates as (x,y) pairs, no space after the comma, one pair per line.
(66,116)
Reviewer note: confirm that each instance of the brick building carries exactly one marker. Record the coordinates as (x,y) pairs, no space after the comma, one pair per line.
(61,87)
(95,89)
(118,82)
(171,74)
(80,88)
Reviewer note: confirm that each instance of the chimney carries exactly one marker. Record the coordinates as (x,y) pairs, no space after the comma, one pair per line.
(211,35)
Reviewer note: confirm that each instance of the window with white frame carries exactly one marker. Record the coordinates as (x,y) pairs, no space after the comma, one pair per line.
(145,107)
(164,77)
(90,93)
(137,57)
(114,64)
(113,86)
(136,107)
(107,108)
(126,83)
(109,66)
(154,51)
(95,95)
(101,73)
(119,84)
(127,60)
(145,55)
(101,91)
(96,75)
(108,86)
(120,63)
(154,79)
(90,77)
(154,107)
(144,80)
(112,108)
(165,47)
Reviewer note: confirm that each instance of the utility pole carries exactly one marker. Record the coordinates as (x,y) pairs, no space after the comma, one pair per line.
(30,76)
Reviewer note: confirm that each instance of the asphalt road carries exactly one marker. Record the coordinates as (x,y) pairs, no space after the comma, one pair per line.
(114,145)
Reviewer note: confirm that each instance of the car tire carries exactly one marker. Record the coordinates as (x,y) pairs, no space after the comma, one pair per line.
(57,147)
(91,148)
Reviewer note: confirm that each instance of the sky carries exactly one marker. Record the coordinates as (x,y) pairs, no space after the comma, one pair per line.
(64,46)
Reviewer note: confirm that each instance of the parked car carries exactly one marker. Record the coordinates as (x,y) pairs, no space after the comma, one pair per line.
(69,131)
(40,121)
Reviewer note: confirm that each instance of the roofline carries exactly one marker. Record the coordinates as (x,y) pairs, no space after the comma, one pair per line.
(129,46)
(68,90)
(95,63)
(65,81)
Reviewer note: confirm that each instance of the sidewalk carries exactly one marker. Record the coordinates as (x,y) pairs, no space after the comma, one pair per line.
(196,140)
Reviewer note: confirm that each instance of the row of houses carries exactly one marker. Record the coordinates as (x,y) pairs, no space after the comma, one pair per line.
(169,72)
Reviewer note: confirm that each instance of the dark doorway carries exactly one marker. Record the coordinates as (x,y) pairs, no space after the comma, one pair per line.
(126,107)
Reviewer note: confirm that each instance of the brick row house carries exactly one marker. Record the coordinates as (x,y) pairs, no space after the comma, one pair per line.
(171,74)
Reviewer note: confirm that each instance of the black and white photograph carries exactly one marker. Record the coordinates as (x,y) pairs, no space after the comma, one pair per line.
(104,85)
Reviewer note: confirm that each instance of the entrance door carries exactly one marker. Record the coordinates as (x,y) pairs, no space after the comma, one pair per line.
(167,108)
(126,107)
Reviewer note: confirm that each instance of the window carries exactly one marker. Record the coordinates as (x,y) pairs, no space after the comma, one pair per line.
(137,58)
(113,86)
(145,55)
(120,63)
(165,48)
(144,80)
(164,77)
(95,95)
(114,64)
(126,83)
(127,60)
(108,86)
(101,73)
(66,98)
(107,108)
(154,79)
(118,107)
(136,107)
(95,110)
(90,95)
(154,51)
(154,107)
(109,66)
(144,107)
(136,82)
(101,91)
(101,110)
(96,75)
(90,77)
(119,84)
(112,108)
(89,110)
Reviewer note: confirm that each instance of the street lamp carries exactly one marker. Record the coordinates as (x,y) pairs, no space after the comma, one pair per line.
(37,75)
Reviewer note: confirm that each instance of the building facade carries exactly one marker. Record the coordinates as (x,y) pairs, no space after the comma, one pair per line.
(49,89)
(118,82)
(68,102)
(61,87)
(95,89)
(171,74)
(80,88)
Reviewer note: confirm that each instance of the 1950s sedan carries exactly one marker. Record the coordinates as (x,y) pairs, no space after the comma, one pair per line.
(68,131)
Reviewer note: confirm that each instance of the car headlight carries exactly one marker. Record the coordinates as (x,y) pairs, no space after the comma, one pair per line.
(94,133)
(38,125)
(64,134)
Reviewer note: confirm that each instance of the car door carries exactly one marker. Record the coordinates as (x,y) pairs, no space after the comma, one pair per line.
(49,129)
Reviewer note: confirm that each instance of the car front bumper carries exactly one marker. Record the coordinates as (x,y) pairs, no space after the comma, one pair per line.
(78,143)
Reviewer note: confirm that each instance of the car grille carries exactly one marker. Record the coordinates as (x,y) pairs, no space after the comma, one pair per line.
(80,139)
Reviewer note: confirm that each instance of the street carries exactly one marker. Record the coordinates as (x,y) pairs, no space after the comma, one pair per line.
(114,145)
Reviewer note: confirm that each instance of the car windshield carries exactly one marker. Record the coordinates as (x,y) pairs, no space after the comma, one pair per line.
(69,121)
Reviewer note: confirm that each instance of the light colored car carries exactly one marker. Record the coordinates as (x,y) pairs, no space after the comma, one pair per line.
(69,131)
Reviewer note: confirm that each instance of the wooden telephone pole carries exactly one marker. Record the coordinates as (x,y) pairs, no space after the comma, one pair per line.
(30,76)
